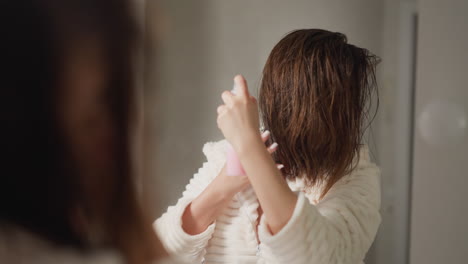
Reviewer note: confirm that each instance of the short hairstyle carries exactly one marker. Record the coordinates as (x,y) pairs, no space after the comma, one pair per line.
(314,98)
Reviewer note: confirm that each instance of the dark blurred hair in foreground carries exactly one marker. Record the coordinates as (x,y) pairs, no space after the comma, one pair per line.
(41,183)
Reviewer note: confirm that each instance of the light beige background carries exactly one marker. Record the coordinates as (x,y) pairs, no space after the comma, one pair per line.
(439,232)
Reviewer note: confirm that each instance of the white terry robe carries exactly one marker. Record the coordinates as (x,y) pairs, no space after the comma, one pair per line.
(340,228)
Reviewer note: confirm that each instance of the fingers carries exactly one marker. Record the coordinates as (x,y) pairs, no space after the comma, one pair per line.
(272,148)
(227,97)
(241,86)
(265,136)
(221,109)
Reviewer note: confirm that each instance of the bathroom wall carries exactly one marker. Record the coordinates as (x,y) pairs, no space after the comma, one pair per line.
(439,218)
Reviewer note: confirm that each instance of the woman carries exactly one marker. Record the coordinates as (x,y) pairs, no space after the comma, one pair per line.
(323,206)
(67,193)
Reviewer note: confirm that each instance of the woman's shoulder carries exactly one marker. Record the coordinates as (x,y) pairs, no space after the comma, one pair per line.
(365,177)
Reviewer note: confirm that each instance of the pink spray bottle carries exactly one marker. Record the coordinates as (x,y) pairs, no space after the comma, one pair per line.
(233,164)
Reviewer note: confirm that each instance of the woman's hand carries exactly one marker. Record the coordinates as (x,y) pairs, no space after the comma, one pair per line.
(238,116)
(238,120)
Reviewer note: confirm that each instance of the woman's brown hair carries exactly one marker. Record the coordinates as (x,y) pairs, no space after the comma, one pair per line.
(41,184)
(315,99)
